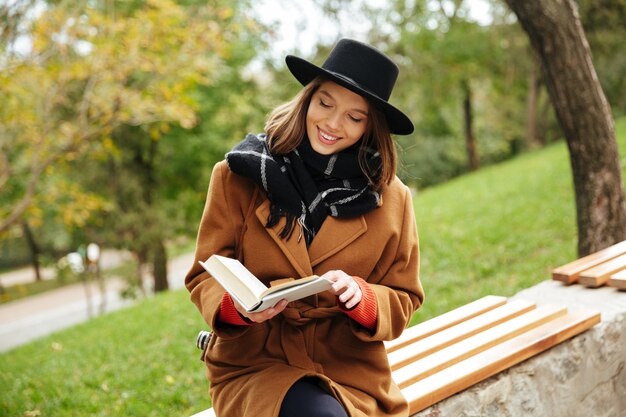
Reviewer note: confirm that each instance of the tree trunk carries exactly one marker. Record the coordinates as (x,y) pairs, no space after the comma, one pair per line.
(543,119)
(159,263)
(532,105)
(34,249)
(584,114)
(470,139)
(141,255)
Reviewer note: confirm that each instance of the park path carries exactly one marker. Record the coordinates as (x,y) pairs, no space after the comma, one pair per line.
(29,318)
(108,259)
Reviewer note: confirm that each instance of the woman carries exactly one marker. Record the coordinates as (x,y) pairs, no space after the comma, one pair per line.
(316,194)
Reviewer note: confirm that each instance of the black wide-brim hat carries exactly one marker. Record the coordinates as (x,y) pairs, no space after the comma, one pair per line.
(361,69)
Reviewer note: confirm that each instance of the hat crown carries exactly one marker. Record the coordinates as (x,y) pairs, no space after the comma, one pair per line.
(361,69)
(363,65)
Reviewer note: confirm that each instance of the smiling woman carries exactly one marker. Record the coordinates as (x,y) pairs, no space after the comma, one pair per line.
(336,118)
(321,168)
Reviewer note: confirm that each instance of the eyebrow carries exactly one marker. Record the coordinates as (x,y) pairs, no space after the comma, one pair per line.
(327,94)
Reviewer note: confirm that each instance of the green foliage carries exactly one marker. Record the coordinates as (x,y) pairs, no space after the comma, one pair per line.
(142,97)
(603,22)
(435,159)
(145,97)
(97,72)
(443,55)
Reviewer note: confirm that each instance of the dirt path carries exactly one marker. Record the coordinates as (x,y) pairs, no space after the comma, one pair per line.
(108,259)
(29,318)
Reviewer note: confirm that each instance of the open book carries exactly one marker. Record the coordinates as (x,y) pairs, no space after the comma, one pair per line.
(251,293)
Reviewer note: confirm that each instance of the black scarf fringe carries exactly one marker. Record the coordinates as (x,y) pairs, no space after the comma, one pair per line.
(274,217)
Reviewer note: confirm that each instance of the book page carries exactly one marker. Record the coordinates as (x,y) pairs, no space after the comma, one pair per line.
(288,284)
(312,286)
(235,279)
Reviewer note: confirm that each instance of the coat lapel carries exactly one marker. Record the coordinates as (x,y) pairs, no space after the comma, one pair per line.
(296,252)
(335,235)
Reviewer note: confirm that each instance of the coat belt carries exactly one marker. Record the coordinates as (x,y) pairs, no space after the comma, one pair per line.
(292,335)
(298,316)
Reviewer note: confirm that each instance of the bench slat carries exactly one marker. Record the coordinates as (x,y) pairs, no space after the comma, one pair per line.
(458,352)
(569,273)
(468,355)
(462,375)
(205,413)
(444,321)
(618,280)
(600,274)
(447,337)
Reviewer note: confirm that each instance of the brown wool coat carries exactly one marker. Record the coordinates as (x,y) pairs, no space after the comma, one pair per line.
(251,368)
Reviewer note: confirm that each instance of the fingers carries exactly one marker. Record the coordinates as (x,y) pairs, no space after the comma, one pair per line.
(351,297)
(345,287)
(347,294)
(265,314)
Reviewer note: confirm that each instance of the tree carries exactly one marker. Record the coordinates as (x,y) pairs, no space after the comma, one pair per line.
(461,82)
(100,81)
(155,175)
(75,87)
(557,36)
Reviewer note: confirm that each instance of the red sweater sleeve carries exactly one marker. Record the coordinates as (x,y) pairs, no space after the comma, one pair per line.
(228,313)
(366,311)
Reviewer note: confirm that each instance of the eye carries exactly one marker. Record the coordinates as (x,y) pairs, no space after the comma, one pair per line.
(355,119)
(323,104)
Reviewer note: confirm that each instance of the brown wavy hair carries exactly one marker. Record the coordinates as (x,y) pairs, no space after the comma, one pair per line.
(286,128)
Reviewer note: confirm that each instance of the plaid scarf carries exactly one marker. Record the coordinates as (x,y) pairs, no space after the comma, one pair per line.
(305,186)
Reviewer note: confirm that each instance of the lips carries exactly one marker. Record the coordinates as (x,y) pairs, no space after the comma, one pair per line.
(325,137)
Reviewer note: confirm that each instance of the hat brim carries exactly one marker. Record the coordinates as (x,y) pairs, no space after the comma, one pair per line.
(305,72)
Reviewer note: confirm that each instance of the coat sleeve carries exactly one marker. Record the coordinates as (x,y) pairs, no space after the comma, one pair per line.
(399,293)
(217,234)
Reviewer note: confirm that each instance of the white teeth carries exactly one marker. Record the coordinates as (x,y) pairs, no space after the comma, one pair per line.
(325,136)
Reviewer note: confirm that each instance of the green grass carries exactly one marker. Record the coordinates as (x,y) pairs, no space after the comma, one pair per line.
(492,232)
(498,230)
(139,361)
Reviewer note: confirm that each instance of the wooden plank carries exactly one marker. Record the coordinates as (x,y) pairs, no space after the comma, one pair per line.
(618,280)
(449,336)
(467,348)
(599,275)
(444,321)
(569,273)
(464,374)
(205,413)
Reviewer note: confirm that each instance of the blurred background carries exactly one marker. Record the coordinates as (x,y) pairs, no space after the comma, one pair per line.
(113,113)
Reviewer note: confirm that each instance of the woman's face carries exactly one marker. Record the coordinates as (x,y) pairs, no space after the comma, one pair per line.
(336,118)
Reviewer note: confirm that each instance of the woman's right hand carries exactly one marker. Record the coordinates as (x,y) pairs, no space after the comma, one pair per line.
(263,315)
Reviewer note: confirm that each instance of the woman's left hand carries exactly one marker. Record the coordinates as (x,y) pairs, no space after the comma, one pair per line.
(345,287)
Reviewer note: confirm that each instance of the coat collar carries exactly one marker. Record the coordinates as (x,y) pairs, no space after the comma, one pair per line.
(334,236)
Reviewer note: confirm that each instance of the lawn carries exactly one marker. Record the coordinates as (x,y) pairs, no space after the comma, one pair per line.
(139,361)
(496,231)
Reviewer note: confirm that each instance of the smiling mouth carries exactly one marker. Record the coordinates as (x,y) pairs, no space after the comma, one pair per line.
(325,137)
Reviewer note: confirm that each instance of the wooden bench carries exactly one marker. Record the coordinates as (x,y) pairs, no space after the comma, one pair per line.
(607,266)
(447,354)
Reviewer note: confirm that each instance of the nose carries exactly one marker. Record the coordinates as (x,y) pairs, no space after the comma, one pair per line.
(334,121)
